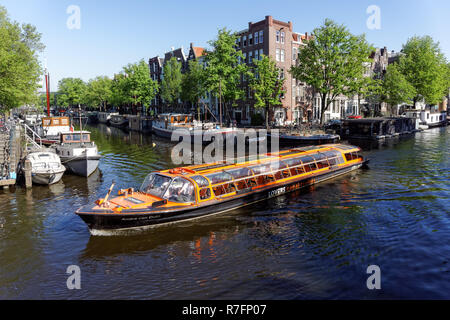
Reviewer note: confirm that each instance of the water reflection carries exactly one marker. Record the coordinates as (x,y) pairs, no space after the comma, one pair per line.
(313,243)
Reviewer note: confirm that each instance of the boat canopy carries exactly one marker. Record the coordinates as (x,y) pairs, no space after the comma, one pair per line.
(224,178)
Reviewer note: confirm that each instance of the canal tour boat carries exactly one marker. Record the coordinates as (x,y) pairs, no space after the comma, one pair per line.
(192,192)
(78,153)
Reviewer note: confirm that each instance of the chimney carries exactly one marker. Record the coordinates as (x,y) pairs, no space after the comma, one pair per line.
(269,20)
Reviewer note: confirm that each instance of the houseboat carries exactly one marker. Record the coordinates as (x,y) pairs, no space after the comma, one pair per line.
(292,139)
(105,117)
(50,129)
(78,153)
(119,121)
(192,192)
(166,124)
(429,117)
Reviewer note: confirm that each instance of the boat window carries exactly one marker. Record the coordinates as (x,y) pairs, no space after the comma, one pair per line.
(180,190)
(262,168)
(205,193)
(332,161)
(155,184)
(323,163)
(224,189)
(201,181)
(219,177)
(295,166)
(313,166)
(307,159)
(351,156)
(240,173)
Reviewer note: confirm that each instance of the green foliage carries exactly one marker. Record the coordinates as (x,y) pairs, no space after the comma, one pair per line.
(171,83)
(266,84)
(138,84)
(192,85)
(99,91)
(396,89)
(423,65)
(19,65)
(223,70)
(332,60)
(72,92)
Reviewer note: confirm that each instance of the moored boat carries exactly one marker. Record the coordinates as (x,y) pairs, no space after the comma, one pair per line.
(119,121)
(50,129)
(192,192)
(46,167)
(78,153)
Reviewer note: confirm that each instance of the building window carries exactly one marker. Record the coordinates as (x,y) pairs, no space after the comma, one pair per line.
(277,37)
(261,36)
(238,42)
(282,37)
(245,56)
(277,54)
(250,39)
(250,57)
(256,55)
(244,40)
(282,55)
(256,37)
(260,53)
(294,54)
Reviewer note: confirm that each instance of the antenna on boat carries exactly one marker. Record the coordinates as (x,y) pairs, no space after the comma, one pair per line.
(101,201)
(81,125)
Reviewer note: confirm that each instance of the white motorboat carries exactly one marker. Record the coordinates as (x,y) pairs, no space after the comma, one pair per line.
(78,153)
(46,167)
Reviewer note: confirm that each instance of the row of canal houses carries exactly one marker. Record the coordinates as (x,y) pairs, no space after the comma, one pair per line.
(300,103)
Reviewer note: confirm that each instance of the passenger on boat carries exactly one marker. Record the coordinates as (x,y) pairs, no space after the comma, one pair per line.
(180,190)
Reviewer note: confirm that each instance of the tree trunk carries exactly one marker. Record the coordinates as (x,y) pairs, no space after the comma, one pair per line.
(323,107)
(267,117)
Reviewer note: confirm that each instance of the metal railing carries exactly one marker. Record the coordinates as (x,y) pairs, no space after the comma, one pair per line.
(32,136)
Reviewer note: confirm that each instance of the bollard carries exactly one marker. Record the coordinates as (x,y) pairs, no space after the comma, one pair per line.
(27,173)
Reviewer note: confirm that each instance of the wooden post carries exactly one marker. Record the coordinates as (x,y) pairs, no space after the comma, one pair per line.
(27,172)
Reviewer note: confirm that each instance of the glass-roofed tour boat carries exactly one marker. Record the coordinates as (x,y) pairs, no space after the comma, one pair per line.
(196,191)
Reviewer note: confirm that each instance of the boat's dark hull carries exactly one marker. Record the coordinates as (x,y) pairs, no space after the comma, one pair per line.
(286,140)
(109,221)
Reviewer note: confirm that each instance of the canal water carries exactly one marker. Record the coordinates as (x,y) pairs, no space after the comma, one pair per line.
(311,244)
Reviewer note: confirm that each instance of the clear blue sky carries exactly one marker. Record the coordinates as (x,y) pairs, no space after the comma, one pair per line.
(115,33)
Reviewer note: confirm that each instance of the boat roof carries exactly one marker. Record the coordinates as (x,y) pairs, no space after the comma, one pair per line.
(220,166)
(76,131)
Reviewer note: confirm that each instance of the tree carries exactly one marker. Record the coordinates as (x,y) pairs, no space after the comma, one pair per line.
(137,85)
(72,92)
(171,83)
(266,85)
(223,71)
(424,66)
(192,85)
(395,88)
(99,92)
(19,64)
(331,61)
